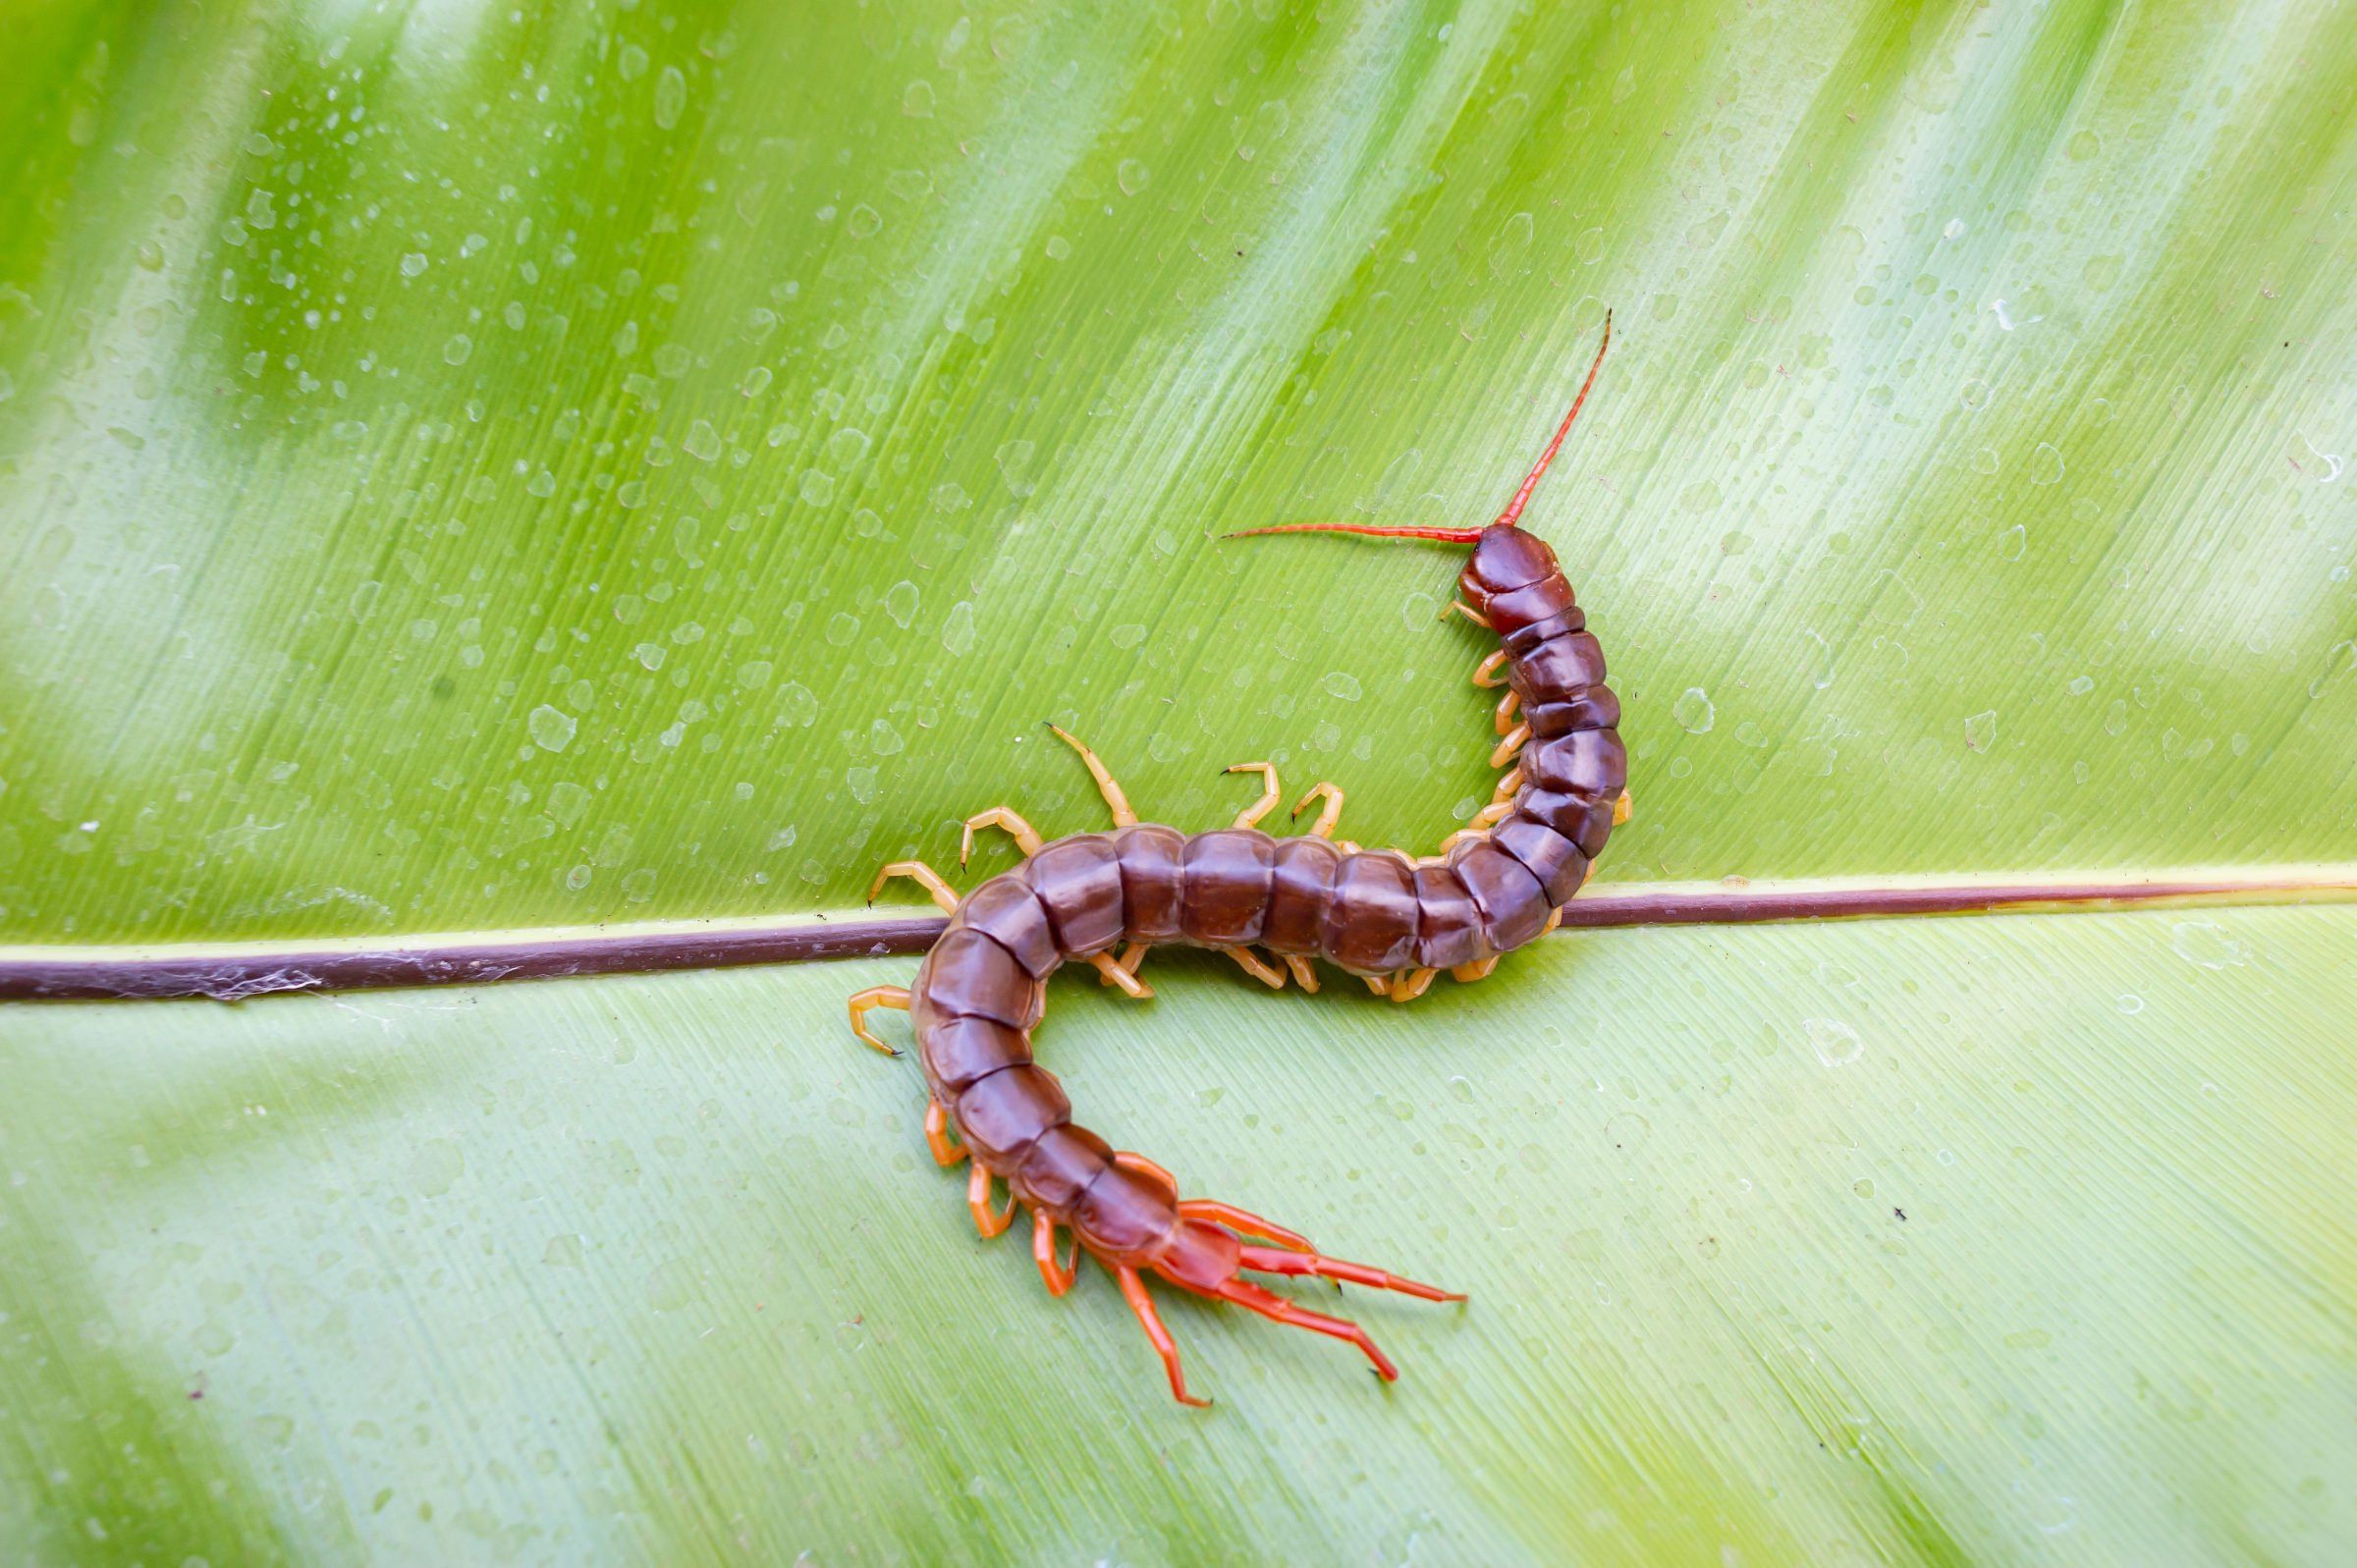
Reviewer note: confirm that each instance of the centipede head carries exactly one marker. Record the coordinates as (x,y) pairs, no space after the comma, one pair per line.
(1505,558)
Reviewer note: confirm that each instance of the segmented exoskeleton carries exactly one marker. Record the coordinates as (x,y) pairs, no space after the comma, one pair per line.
(1393,919)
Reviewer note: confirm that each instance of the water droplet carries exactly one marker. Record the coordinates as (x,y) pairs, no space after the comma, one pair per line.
(2083,147)
(864,222)
(633,62)
(1838,1044)
(818,488)
(797,705)
(1702,497)
(2046,465)
(2131,1004)
(2013,542)
(2206,942)
(651,655)
(1127,635)
(703,442)
(2101,272)
(552,728)
(455,350)
(1693,712)
(848,445)
(1059,248)
(916,100)
(841,628)
(2080,685)
(1342,683)
(412,264)
(753,673)
(900,602)
(1132,177)
(958,632)
(1980,731)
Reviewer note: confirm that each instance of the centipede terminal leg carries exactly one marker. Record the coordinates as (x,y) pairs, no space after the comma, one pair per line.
(1135,1289)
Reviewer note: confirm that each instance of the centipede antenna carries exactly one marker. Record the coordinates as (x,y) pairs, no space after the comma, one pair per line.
(1513,510)
(1455,536)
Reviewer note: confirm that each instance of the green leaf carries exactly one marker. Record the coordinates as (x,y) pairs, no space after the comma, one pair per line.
(475,472)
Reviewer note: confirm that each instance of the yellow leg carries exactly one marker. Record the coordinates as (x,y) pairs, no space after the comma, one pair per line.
(1485,673)
(1507,787)
(1410,984)
(1455,839)
(1554,918)
(1328,815)
(991,1223)
(1115,975)
(1269,797)
(866,1002)
(1378,983)
(936,1135)
(1509,745)
(1624,808)
(1304,975)
(1123,815)
(1272,978)
(923,876)
(1026,837)
(1467,973)
(1468,611)
(1505,710)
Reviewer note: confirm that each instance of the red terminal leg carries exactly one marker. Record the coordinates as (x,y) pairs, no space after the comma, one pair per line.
(1142,1303)
(1271,1304)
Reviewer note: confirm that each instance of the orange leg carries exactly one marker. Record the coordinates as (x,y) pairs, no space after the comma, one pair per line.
(1131,1160)
(1123,815)
(1026,837)
(1468,611)
(1243,1221)
(1624,808)
(1279,1261)
(936,1135)
(1115,974)
(1269,796)
(1467,973)
(1485,673)
(923,876)
(1142,1303)
(1273,978)
(1381,985)
(1059,1277)
(1304,975)
(1505,753)
(866,1002)
(1412,984)
(991,1223)
(1271,1306)
(1554,918)
(1329,814)
(1505,710)
(1507,787)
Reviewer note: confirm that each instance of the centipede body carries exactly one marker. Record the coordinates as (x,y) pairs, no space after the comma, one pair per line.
(1392,918)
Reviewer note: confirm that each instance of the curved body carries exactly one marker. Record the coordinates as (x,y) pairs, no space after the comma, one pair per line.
(983,987)
(1393,919)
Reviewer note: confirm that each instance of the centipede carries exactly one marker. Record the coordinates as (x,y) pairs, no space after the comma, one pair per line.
(1393,919)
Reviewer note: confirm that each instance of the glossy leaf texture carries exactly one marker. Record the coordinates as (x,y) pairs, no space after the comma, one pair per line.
(476,470)
(521,468)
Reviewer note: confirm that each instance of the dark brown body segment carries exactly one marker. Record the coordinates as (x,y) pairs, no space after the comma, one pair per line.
(980,991)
